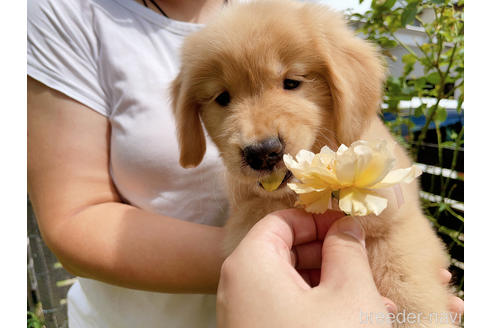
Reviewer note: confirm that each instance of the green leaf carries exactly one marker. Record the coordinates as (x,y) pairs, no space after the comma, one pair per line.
(426,47)
(33,321)
(419,111)
(448,144)
(420,83)
(408,59)
(459,69)
(407,69)
(382,4)
(386,42)
(442,207)
(408,92)
(433,78)
(392,104)
(441,114)
(408,15)
(389,4)
(359,16)
(393,85)
(460,103)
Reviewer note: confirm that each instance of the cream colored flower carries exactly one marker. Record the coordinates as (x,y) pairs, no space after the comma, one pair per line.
(355,172)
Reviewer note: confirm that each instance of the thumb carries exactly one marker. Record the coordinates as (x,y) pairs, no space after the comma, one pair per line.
(344,257)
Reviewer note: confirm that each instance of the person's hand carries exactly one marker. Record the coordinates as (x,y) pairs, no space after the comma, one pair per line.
(455,305)
(264,264)
(260,286)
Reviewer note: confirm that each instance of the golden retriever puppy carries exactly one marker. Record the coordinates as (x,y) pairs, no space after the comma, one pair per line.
(274,77)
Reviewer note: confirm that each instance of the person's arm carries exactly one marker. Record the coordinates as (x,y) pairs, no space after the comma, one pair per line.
(81,216)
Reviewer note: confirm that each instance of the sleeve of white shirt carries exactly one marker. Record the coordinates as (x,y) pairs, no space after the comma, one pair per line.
(62,50)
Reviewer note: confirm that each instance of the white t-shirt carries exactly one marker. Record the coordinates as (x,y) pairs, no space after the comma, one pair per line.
(118,58)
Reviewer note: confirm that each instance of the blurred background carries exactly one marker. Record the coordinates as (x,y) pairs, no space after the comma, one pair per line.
(422,43)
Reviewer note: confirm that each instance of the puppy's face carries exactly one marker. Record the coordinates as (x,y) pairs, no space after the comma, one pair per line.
(271,78)
(255,116)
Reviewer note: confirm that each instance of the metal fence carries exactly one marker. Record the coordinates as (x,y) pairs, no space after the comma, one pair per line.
(47,281)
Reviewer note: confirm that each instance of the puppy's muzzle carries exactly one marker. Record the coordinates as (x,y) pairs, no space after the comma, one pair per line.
(264,155)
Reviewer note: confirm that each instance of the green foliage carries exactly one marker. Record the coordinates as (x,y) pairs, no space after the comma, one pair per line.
(33,321)
(440,55)
(433,67)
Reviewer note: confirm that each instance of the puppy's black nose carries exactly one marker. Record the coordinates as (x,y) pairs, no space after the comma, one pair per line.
(265,154)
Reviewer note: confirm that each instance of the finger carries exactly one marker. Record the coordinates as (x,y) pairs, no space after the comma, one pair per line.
(275,234)
(325,220)
(390,305)
(308,256)
(315,276)
(267,247)
(293,257)
(310,276)
(305,275)
(456,305)
(445,276)
(344,256)
(291,226)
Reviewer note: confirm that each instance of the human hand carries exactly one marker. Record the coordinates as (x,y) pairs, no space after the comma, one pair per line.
(455,305)
(260,286)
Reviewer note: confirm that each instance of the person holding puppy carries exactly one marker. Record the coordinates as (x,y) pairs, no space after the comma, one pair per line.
(111,200)
(143,234)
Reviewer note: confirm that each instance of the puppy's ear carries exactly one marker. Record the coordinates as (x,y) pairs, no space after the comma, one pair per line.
(191,139)
(355,74)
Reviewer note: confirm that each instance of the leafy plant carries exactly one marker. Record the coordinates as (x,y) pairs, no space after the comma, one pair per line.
(33,321)
(440,54)
(432,73)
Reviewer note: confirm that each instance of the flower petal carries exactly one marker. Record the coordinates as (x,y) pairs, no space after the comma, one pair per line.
(311,170)
(304,157)
(406,175)
(364,163)
(291,163)
(355,171)
(346,166)
(327,156)
(298,169)
(301,188)
(374,161)
(360,202)
(342,149)
(316,202)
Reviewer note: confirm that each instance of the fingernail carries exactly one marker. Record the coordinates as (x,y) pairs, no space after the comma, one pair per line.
(293,257)
(349,226)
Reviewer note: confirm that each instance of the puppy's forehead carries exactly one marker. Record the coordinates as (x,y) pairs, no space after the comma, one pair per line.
(250,42)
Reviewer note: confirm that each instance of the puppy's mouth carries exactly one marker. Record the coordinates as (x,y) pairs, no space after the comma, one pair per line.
(276,180)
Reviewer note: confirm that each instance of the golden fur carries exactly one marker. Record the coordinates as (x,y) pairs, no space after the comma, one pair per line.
(249,51)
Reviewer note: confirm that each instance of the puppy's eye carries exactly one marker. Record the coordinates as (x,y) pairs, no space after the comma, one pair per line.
(291,84)
(223,99)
